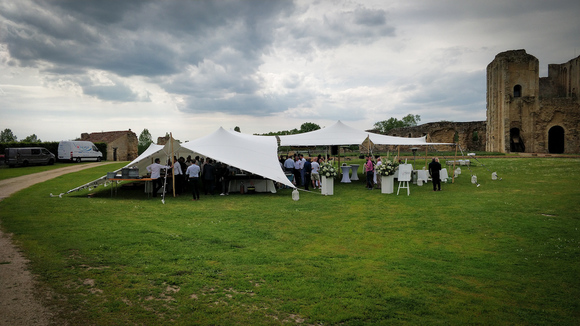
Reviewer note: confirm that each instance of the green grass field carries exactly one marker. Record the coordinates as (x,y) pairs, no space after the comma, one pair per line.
(504,253)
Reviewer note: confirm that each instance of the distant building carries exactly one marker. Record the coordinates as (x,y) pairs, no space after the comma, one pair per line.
(121,145)
(529,114)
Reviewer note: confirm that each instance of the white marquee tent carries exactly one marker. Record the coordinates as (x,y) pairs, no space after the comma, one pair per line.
(255,154)
(341,134)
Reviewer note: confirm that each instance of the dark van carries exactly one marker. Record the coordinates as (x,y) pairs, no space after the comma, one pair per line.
(28,155)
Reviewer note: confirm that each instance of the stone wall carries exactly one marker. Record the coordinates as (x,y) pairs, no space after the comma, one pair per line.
(470,135)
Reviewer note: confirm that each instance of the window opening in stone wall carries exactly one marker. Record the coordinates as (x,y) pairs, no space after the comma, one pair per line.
(516,142)
(518,91)
(556,140)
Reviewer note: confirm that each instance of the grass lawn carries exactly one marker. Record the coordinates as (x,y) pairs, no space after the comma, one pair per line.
(504,253)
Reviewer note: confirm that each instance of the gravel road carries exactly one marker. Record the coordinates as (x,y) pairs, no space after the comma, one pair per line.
(20,302)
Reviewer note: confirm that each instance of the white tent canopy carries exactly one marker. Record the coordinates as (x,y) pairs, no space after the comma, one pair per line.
(341,134)
(255,154)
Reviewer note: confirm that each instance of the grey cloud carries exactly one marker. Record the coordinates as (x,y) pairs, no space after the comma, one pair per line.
(370,17)
(115,93)
(248,104)
(361,26)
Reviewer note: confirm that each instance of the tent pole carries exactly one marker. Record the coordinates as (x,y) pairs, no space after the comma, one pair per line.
(426,149)
(171,160)
(454,160)
(339,169)
(399,152)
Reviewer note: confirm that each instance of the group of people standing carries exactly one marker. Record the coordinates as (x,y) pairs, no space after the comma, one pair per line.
(305,171)
(190,173)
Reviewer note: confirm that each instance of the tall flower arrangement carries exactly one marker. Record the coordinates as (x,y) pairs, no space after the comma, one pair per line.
(327,170)
(387,168)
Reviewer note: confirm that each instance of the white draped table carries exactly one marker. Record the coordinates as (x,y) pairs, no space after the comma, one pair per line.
(261,185)
(345,174)
(354,176)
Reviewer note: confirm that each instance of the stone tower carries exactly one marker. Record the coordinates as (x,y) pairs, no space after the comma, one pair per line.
(526,113)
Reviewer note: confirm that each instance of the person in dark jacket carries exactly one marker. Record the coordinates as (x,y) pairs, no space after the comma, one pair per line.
(434,171)
(307,172)
(209,177)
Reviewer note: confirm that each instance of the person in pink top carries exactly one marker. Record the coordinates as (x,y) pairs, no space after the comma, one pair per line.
(369,169)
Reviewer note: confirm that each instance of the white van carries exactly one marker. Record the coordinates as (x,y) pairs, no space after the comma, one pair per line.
(78,151)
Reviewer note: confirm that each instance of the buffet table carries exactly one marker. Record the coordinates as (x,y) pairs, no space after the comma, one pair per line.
(116,181)
(249,181)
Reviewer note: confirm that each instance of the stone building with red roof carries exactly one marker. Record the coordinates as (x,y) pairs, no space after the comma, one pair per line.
(121,145)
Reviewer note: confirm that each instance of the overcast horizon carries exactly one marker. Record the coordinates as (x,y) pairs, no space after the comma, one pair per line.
(190,67)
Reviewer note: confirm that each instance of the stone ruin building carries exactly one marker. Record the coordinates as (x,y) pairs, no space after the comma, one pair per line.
(121,145)
(526,113)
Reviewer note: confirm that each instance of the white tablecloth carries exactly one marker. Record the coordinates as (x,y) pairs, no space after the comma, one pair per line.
(345,174)
(261,185)
(443,174)
(354,175)
(422,175)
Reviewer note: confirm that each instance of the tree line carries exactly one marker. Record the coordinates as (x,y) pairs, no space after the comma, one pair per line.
(7,136)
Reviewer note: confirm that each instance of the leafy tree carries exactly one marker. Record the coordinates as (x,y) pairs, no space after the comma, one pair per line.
(308,126)
(145,140)
(305,127)
(408,121)
(411,120)
(7,136)
(31,139)
(237,129)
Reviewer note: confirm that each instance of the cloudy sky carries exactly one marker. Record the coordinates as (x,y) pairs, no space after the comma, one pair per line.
(189,67)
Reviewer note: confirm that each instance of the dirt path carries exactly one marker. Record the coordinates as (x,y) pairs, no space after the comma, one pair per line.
(19,303)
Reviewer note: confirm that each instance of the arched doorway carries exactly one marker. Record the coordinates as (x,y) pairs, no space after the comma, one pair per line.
(516,142)
(518,91)
(556,140)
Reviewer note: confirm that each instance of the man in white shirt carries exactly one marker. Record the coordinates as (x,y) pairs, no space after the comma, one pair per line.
(315,174)
(192,173)
(289,164)
(155,170)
